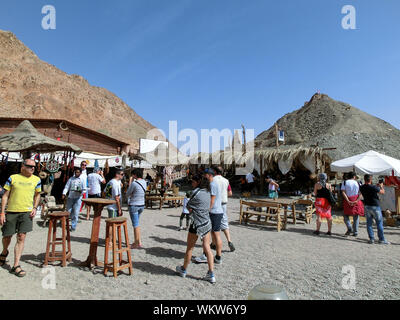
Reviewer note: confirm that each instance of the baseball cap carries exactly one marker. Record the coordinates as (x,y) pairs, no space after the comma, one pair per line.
(210,171)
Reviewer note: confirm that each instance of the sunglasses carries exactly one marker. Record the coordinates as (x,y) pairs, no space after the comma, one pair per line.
(29,166)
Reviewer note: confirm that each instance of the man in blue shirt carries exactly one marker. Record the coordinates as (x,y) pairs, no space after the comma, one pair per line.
(74,188)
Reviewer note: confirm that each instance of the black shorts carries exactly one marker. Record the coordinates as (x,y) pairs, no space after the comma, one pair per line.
(192,229)
(216,220)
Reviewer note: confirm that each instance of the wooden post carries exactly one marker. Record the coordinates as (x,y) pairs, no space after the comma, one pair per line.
(261,175)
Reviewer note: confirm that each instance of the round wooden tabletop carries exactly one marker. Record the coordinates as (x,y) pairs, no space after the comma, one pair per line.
(99,201)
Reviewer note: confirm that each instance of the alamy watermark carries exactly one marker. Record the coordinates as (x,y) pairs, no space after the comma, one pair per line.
(349,280)
(49,281)
(210,139)
(49,20)
(349,20)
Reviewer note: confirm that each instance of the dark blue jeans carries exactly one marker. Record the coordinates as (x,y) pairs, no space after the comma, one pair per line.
(374,213)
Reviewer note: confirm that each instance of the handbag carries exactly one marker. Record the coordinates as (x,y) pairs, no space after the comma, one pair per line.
(331,199)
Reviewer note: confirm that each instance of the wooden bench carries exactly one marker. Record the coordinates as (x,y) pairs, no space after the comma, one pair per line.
(175,201)
(273,212)
(308,212)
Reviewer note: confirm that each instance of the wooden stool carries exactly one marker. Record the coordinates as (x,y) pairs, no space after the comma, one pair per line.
(113,229)
(65,240)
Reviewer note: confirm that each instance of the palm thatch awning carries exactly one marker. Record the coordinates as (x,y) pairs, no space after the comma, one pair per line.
(26,138)
(311,158)
(285,153)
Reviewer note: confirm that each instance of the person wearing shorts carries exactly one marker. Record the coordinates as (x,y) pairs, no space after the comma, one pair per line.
(216,215)
(199,207)
(21,199)
(226,191)
(136,198)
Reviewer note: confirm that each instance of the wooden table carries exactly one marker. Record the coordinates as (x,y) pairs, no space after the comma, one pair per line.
(98,204)
(285,203)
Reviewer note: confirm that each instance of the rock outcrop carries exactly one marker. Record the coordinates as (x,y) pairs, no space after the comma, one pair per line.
(328,123)
(30,87)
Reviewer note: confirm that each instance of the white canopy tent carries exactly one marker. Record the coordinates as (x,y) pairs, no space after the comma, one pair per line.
(370,162)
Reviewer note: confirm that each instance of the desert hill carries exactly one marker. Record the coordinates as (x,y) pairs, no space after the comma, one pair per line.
(30,87)
(328,123)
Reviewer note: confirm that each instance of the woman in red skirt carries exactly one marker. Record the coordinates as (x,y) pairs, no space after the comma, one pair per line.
(322,191)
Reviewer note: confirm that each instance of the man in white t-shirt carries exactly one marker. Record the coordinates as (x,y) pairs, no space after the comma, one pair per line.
(113,192)
(250,182)
(226,192)
(83,177)
(352,205)
(95,180)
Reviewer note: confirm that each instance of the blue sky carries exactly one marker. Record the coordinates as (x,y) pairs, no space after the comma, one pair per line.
(220,64)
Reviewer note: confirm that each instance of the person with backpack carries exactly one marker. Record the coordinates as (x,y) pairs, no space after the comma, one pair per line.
(323,203)
(136,194)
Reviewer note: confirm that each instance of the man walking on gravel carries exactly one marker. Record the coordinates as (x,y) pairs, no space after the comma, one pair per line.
(373,208)
(216,215)
(226,192)
(21,199)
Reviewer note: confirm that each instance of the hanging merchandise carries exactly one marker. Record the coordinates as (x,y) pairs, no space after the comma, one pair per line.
(96,163)
(73,160)
(37,158)
(106,168)
(52,165)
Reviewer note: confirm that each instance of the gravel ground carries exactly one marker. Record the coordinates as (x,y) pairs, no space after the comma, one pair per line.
(308,267)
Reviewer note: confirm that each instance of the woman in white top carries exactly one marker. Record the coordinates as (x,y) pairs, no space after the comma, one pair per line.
(272,188)
(352,204)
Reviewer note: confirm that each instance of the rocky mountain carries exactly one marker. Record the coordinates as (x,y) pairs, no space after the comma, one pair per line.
(30,87)
(328,123)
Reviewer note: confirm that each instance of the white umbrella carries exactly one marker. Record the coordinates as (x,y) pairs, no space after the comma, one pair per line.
(370,162)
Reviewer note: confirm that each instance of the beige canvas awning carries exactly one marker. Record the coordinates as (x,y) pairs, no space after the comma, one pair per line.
(26,138)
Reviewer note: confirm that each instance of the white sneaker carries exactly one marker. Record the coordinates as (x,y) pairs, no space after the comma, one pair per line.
(210,277)
(201,259)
